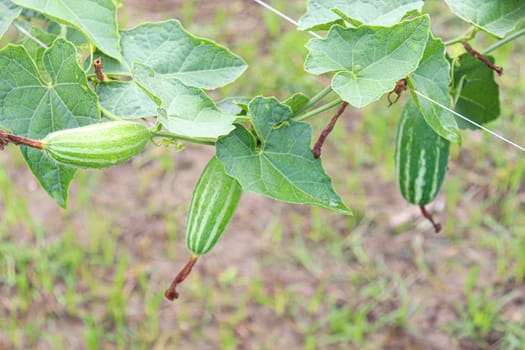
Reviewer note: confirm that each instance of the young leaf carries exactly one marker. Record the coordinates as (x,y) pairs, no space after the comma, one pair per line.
(32,107)
(96,19)
(368,61)
(189,111)
(8,13)
(125,99)
(279,164)
(296,101)
(497,17)
(172,51)
(432,78)
(477,93)
(321,15)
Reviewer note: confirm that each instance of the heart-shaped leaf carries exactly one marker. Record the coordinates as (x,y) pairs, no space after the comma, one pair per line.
(175,53)
(368,60)
(321,14)
(476,91)
(125,99)
(432,78)
(188,110)
(32,107)
(497,17)
(96,19)
(279,163)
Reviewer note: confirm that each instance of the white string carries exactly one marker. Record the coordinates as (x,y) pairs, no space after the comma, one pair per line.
(30,36)
(470,121)
(282,15)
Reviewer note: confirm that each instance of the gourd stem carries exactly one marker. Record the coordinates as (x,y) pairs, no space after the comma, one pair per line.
(6,138)
(319,110)
(313,101)
(429,217)
(171,293)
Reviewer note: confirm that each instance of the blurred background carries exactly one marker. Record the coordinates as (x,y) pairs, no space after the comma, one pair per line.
(283,276)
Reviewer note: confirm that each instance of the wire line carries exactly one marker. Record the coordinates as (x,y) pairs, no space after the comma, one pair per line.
(504,139)
(30,36)
(282,15)
(470,121)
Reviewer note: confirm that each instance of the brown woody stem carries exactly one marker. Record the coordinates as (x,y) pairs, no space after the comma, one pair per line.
(324,134)
(97,66)
(429,217)
(171,293)
(401,86)
(482,58)
(6,138)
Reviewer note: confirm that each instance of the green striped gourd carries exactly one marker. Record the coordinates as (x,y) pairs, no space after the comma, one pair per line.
(96,146)
(214,201)
(421,157)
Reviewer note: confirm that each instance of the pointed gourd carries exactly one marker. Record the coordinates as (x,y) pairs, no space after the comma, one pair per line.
(421,157)
(213,204)
(96,146)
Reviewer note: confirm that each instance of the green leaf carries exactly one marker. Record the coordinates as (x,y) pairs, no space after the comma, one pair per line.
(124,99)
(34,49)
(432,79)
(68,33)
(175,53)
(368,61)
(475,90)
(497,17)
(234,105)
(189,111)
(279,164)
(33,107)
(8,13)
(321,16)
(296,101)
(96,19)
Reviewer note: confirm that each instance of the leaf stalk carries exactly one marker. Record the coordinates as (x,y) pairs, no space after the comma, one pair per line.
(319,110)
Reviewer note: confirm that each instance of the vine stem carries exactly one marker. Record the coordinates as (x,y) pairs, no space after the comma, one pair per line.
(98,68)
(324,134)
(316,111)
(482,58)
(6,138)
(170,135)
(313,101)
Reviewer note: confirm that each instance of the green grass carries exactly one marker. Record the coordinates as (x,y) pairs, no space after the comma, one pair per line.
(284,276)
